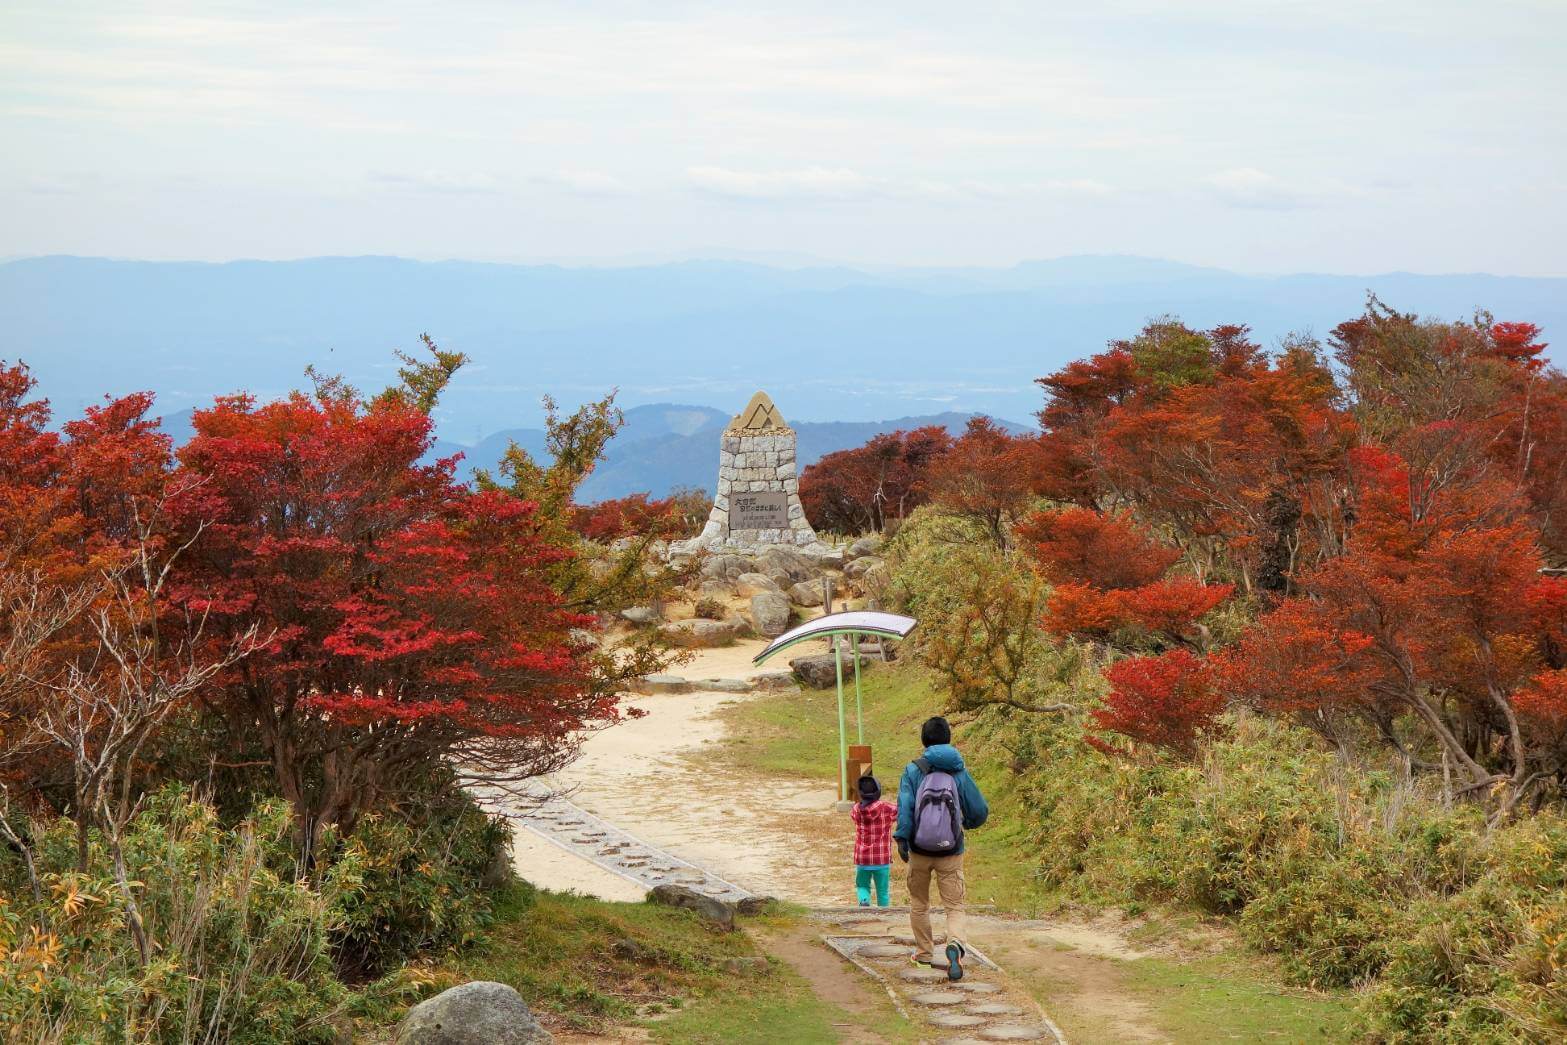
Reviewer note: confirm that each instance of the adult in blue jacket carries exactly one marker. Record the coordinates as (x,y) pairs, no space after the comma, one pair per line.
(940,755)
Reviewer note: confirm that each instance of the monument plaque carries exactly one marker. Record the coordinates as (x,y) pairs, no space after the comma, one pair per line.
(758,511)
(757,503)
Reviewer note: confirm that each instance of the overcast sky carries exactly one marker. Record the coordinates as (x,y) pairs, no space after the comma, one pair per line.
(1325,135)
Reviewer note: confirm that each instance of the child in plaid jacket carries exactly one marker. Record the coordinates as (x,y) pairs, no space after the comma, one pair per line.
(873,821)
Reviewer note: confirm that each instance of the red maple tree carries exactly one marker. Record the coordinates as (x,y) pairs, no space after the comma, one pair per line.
(410,619)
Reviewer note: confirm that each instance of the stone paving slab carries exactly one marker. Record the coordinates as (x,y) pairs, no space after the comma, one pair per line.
(979,1007)
(564,823)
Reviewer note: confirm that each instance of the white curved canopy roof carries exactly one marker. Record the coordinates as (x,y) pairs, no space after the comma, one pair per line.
(849,622)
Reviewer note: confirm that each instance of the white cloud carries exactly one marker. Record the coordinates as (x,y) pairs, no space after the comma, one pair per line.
(585,183)
(1078,187)
(1251,189)
(813,183)
(460,183)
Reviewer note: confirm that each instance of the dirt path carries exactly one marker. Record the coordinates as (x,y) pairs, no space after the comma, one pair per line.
(649,776)
(803,951)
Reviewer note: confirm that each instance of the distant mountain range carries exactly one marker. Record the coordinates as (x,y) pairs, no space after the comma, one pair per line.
(827,342)
(662,447)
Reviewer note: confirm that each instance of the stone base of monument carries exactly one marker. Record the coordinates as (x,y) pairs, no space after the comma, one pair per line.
(757,504)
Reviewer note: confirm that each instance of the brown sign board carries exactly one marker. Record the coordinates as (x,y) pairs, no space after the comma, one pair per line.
(758,511)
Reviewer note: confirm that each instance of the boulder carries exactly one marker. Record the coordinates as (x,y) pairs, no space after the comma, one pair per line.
(650,684)
(770,613)
(716,587)
(642,615)
(629,950)
(741,625)
(723,685)
(806,593)
(752,905)
(774,681)
(706,907)
(796,565)
(749,584)
(867,545)
(476,1013)
(727,566)
(820,672)
(699,634)
(876,584)
(832,558)
(860,566)
(779,577)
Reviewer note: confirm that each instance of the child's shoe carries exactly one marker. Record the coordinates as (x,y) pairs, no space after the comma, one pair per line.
(865,903)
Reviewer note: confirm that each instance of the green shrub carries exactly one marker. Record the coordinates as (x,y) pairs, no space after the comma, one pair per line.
(421,881)
(239,952)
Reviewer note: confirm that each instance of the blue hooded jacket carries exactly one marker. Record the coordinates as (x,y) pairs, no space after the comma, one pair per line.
(944,757)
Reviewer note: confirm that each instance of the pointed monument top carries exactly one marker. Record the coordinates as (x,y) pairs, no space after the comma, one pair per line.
(759,415)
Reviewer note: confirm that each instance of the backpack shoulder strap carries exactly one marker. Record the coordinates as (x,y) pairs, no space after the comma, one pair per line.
(924,764)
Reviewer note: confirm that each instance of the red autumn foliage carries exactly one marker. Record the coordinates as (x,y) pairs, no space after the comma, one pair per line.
(1106,551)
(1518,344)
(863,489)
(988,476)
(1165,700)
(632,515)
(1295,659)
(1109,576)
(411,618)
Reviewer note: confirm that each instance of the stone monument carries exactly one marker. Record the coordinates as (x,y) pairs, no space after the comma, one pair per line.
(757,504)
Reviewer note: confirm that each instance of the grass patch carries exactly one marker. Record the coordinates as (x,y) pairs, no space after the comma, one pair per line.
(588,964)
(1220,998)
(787,1011)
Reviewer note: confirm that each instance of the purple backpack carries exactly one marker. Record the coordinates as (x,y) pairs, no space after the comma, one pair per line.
(938,815)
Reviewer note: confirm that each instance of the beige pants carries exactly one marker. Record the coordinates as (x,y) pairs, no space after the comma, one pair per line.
(949,883)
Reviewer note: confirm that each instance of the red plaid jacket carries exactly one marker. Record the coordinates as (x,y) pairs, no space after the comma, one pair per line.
(873,832)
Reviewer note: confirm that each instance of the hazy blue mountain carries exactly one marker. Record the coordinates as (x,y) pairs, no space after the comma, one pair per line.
(661,448)
(827,342)
(672,461)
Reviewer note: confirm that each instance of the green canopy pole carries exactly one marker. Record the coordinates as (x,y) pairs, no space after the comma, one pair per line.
(859,711)
(843,743)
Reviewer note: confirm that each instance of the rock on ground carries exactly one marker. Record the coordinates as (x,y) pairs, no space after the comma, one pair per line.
(477,1013)
(755,583)
(797,565)
(806,593)
(649,684)
(716,587)
(706,907)
(723,685)
(820,671)
(868,545)
(727,566)
(774,681)
(641,615)
(700,634)
(859,567)
(770,613)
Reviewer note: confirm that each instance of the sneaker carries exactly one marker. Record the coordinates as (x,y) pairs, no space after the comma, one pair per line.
(865,903)
(955,953)
(923,960)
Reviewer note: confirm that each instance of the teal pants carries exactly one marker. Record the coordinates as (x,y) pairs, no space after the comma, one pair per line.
(864,876)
